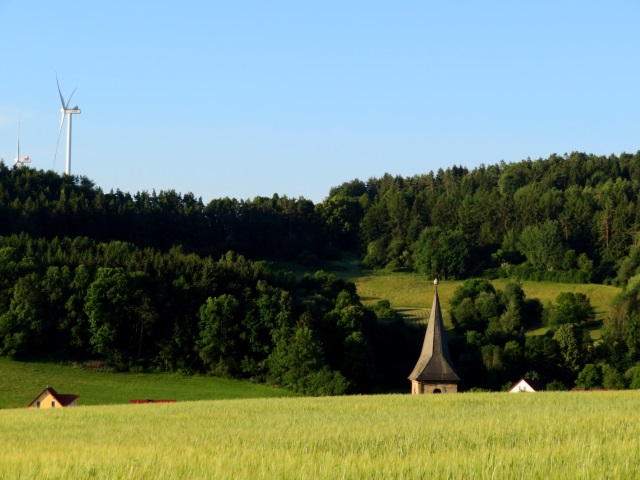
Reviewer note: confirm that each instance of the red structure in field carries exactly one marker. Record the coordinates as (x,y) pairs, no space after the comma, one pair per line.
(151,400)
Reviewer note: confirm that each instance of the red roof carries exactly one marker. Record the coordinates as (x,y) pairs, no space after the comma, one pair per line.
(63,399)
(151,400)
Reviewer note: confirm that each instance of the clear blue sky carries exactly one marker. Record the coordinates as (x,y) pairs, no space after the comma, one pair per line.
(247,98)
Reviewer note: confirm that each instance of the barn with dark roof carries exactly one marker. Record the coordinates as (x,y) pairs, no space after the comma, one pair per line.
(49,398)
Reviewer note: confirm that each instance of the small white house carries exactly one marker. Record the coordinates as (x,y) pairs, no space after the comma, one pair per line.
(527,384)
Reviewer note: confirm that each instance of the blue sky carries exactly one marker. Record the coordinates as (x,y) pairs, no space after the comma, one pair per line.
(249,98)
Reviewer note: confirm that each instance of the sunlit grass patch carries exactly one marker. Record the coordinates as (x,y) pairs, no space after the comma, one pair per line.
(419,316)
(413,291)
(600,296)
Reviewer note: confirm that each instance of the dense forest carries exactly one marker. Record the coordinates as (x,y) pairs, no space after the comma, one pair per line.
(140,308)
(163,281)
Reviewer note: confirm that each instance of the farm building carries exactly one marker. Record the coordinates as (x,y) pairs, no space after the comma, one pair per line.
(434,372)
(527,384)
(49,398)
(150,400)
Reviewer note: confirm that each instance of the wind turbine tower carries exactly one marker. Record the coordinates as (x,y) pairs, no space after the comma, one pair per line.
(66,111)
(20,161)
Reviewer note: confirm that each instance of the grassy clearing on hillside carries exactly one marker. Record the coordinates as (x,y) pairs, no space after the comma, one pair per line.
(414,292)
(601,296)
(404,290)
(499,435)
(20,382)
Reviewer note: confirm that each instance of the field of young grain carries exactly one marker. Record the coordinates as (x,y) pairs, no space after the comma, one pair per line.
(472,435)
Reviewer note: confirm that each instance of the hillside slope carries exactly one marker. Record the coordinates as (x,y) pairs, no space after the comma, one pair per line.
(20,382)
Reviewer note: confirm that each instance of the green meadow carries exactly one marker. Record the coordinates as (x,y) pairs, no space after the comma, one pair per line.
(412,294)
(472,435)
(20,382)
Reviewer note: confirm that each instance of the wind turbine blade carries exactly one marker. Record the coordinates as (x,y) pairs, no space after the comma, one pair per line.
(59,92)
(58,142)
(68,101)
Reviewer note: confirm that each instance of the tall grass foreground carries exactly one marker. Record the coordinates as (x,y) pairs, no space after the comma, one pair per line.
(470,435)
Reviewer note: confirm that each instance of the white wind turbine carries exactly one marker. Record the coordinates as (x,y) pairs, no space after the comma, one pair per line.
(66,111)
(20,161)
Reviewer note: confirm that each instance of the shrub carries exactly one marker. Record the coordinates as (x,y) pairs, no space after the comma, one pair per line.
(590,376)
(555,386)
(612,378)
(633,375)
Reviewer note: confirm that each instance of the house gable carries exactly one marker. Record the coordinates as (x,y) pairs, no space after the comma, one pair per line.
(49,398)
(527,384)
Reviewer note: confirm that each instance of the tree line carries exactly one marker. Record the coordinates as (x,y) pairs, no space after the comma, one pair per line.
(565,218)
(44,204)
(570,218)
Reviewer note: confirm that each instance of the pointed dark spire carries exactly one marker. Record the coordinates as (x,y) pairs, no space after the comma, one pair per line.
(434,364)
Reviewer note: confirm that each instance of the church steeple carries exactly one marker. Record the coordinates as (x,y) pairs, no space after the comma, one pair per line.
(434,372)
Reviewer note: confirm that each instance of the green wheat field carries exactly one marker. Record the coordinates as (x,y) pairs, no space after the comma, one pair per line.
(470,435)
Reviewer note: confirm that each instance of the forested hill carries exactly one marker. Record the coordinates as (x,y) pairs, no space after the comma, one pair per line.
(163,281)
(88,276)
(568,218)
